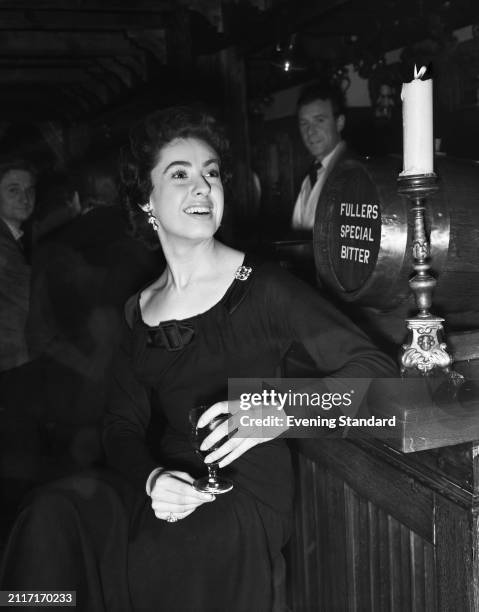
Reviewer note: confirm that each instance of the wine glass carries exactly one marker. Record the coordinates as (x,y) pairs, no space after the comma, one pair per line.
(211,483)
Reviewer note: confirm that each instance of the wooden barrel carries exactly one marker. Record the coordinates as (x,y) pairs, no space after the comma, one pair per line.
(363,232)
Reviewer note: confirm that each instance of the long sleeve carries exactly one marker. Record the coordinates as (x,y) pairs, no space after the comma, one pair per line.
(127,419)
(342,353)
(336,345)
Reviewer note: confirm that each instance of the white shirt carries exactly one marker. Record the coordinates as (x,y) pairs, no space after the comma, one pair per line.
(16,233)
(305,207)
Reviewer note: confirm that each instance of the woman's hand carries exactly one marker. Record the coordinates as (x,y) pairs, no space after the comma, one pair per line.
(173,495)
(244,429)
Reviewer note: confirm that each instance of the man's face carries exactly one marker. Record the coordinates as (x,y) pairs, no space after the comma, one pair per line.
(320,129)
(17,196)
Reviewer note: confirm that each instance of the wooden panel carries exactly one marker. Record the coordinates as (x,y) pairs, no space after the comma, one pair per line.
(333,554)
(454,546)
(307,518)
(390,488)
(352,556)
(348,553)
(383,584)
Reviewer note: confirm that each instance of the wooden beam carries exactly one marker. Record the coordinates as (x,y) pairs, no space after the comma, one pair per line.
(76,20)
(155,6)
(98,89)
(107,79)
(40,75)
(76,100)
(136,63)
(153,41)
(124,73)
(46,62)
(88,95)
(73,44)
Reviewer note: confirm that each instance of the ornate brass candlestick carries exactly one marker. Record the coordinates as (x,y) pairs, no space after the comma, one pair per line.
(426,350)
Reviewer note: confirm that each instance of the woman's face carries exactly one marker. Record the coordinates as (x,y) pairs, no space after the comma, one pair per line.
(187,194)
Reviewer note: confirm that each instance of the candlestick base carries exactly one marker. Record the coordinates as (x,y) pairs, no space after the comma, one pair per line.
(426,351)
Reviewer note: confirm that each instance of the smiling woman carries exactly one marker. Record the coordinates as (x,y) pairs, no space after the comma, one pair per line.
(140,161)
(150,538)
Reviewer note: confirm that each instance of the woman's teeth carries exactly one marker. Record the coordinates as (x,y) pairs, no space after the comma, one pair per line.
(198,210)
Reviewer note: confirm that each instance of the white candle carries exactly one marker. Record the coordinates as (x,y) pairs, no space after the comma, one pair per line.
(418,141)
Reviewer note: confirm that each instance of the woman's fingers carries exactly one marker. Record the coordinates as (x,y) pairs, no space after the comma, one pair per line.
(212,412)
(223,430)
(229,432)
(164,506)
(227,447)
(227,429)
(173,496)
(175,488)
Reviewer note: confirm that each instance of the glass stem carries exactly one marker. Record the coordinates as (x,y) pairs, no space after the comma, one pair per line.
(212,468)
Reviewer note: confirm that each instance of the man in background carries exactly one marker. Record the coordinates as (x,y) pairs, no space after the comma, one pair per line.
(321,118)
(17,200)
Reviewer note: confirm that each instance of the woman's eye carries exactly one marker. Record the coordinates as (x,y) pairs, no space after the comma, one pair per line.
(179,174)
(213,173)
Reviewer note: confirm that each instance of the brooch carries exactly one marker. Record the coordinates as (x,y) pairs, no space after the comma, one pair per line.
(243,272)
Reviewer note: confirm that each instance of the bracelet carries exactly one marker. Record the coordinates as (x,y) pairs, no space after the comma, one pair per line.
(152,478)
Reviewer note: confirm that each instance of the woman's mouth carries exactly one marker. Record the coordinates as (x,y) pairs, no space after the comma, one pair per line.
(198,209)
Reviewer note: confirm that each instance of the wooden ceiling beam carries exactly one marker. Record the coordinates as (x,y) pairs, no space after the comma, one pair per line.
(97,88)
(91,96)
(15,112)
(66,44)
(153,41)
(76,102)
(124,73)
(45,62)
(83,98)
(135,63)
(40,75)
(107,79)
(80,20)
(155,6)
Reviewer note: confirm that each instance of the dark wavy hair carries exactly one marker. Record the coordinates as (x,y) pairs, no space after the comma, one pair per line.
(147,139)
(323,91)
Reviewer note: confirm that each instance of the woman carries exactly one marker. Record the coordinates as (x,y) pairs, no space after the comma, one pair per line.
(213,313)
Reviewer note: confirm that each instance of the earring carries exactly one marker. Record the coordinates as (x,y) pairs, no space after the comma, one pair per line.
(152,220)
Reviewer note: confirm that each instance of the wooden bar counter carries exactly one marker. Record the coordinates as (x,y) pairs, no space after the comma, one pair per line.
(382,527)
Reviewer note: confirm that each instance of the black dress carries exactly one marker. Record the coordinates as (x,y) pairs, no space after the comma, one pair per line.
(222,556)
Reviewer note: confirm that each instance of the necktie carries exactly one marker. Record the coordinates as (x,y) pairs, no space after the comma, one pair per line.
(313,172)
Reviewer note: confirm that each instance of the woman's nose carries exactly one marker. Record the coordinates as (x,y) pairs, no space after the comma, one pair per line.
(202,186)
